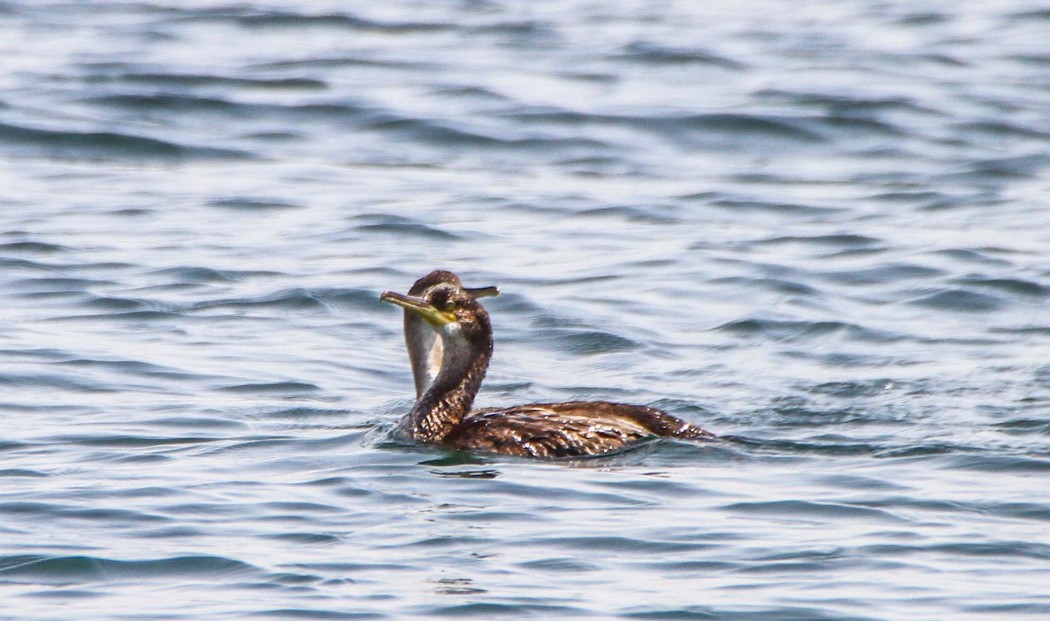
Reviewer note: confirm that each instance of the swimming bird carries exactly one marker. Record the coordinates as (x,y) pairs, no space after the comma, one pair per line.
(443,413)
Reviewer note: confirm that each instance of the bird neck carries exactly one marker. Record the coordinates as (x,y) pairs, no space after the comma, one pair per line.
(450,396)
(425,351)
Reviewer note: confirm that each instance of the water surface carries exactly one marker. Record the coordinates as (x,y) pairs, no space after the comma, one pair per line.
(822,230)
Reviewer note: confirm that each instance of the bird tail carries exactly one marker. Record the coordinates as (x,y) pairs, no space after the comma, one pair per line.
(692,432)
(663,424)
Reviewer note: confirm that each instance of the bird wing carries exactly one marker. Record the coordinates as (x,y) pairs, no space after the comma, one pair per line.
(566,429)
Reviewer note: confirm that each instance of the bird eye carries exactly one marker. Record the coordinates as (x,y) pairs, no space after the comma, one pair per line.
(448,306)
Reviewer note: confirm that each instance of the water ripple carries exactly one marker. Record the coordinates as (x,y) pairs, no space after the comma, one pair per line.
(58,570)
(820,231)
(103,144)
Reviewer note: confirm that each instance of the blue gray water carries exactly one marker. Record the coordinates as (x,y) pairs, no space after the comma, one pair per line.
(823,228)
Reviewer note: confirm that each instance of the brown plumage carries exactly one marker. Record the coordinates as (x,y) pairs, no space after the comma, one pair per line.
(566,429)
(442,414)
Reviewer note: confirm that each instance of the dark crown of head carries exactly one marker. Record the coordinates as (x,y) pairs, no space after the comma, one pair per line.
(436,277)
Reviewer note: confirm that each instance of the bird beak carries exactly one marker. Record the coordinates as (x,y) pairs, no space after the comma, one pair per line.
(483,292)
(434,317)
